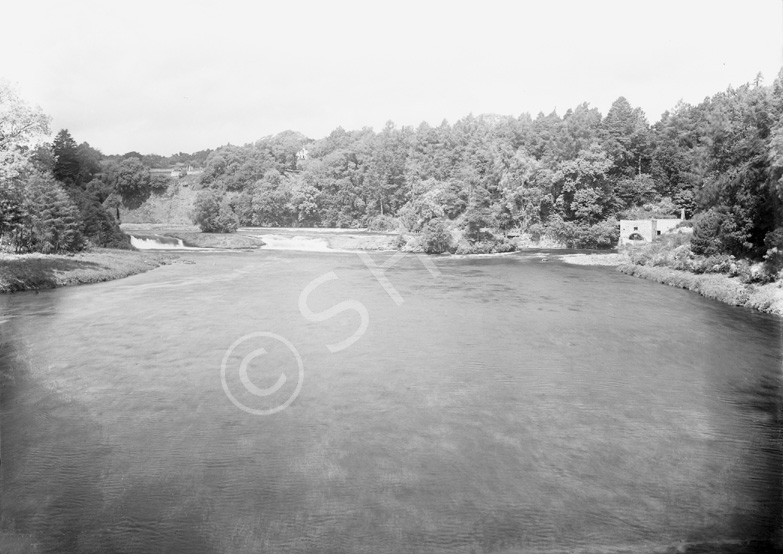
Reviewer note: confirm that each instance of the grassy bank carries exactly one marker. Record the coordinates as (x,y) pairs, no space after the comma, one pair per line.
(724,288)
(44,271)
(766,298)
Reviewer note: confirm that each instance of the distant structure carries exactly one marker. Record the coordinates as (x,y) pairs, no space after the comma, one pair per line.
(302,154)
(636,231)
(179,170)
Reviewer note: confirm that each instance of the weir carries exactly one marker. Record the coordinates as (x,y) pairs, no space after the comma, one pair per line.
(300,243)
(159,242)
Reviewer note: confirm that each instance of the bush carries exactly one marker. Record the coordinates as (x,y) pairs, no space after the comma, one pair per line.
(159,184)
(478,223)
(718,232)
(52,224)
(773,259)
(214,215)
(601,235)
(383,223)
(98,225)
(536,231)
(675,252)
(436,238)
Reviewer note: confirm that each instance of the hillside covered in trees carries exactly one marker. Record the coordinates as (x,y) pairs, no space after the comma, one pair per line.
(468,186)
(471,186)
(64,196)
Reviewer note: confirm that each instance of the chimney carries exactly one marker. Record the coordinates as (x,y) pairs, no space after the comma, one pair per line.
(682,215)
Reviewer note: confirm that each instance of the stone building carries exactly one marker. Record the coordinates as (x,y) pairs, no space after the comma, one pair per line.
(635,231)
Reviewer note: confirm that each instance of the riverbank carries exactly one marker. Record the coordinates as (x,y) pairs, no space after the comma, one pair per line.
(766,298)
(19,272)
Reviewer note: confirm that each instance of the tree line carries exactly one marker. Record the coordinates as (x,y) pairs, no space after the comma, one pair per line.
(64,196)
(470,186)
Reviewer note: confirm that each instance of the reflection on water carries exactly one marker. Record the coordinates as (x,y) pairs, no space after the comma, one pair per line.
(507,406)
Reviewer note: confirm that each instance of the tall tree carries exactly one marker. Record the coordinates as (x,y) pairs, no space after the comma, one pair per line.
(67,165)
(20,127)
(627,139)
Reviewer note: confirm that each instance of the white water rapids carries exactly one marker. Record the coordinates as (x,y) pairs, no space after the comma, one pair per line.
(159,243)
(300,243)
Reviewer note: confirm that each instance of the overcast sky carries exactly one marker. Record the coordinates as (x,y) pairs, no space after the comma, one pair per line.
(169,76)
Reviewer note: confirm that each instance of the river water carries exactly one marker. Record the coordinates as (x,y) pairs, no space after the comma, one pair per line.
(489,404)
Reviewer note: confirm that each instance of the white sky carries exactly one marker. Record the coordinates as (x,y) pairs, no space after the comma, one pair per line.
(168,76)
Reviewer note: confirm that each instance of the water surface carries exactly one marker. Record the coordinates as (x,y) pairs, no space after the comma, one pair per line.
(508,405)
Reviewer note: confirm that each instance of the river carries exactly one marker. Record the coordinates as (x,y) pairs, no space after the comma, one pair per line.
(279,401)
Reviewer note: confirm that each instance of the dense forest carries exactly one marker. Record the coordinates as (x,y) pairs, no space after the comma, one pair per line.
(471,186)
(467,187)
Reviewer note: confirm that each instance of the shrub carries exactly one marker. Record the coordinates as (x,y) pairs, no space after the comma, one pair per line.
(436,238)
(601,235)
(53,223)
(536,231)
(706,234)
(98,225)
(159,184)
(214,215)
(478,223)
(773,259)
(718,232)
(383,223)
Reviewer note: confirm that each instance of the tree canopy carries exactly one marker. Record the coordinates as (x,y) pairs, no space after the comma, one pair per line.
(479,180)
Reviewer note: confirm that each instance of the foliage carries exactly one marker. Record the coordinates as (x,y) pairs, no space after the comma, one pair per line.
(213,214)
(435,237)
(159,184)
(67,164)
(604,234)
(20,127)
(677,252)
(49,221)
(718,231)
(718,287)
(567,179)
(773,259)
(383,223)
(98,225)
(664,208)
(45,205)
(130,178)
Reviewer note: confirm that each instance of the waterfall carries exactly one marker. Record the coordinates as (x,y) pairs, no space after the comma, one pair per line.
(305,244)
(157,242)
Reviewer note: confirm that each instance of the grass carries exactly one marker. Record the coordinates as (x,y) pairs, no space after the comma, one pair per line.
(766,298)
(671,262)
(20,272)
